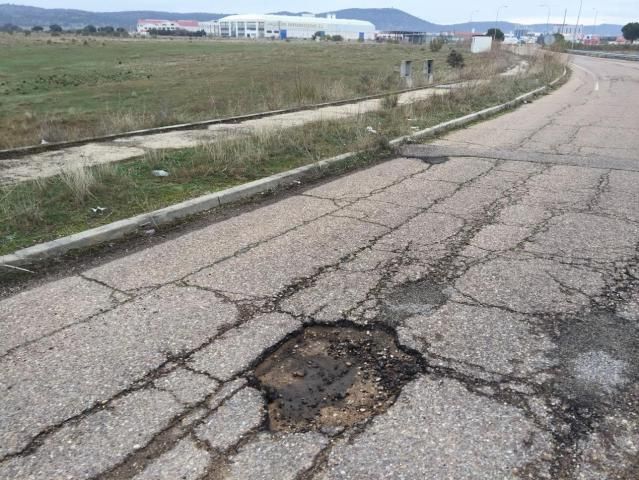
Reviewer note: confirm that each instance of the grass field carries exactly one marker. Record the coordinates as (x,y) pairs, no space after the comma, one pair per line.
(58,88)
(36,211)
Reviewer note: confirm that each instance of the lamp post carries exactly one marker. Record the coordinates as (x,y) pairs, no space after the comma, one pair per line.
(594,24)
(574,37)
(497,20)
(547,18)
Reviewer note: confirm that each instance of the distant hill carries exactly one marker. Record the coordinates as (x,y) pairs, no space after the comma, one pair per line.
(24,16)
(387,19)
(383,19)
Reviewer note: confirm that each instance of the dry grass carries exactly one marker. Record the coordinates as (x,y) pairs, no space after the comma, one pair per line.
(79,179)
(66,90)
(37,211)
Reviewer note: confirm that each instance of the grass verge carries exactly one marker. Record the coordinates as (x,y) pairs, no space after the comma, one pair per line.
(38,211)
(65,88)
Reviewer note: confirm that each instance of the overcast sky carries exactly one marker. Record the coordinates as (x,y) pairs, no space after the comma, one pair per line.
(456,11)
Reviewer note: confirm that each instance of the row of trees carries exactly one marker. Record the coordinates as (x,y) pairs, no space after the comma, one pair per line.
(57,29)
(176,33)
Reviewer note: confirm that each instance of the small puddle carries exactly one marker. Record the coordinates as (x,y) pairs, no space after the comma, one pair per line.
(329,377)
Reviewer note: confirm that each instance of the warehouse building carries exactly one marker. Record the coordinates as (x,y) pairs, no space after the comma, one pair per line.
(147,25)
(284,26)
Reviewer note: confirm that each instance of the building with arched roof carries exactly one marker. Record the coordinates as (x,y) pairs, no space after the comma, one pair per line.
(287,26)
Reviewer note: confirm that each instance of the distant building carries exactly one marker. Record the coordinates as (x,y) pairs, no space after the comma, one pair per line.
(288,26)
(146,25)
(592,40)
(405,36)
(570,32)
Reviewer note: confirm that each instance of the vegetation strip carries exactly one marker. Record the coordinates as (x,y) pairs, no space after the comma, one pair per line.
(231,163)
(47,147)
(615,56)
(58,89)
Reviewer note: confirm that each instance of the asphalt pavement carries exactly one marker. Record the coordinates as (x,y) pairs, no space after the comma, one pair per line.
(510,271)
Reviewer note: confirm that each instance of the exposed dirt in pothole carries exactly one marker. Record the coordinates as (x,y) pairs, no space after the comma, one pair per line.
(330,377)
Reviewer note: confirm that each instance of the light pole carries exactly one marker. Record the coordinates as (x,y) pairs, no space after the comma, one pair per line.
(594,25)
(574,37)
(547,18)
(497,20)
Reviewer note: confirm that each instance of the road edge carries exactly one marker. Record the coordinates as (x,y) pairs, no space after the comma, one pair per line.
(198,205)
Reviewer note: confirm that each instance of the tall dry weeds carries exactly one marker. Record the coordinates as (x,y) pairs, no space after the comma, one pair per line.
(79,179)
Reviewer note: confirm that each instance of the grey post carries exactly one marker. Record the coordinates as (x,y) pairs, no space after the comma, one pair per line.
(406,72)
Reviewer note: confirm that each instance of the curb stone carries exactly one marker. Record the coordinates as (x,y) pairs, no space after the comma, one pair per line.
(122,228)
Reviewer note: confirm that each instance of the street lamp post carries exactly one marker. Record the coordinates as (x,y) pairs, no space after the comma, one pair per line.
(497,20)
(547,18)
(574,37)
(594,25)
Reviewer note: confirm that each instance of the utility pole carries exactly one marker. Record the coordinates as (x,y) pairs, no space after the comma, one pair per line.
(581,2)
(497,20)
(547,18)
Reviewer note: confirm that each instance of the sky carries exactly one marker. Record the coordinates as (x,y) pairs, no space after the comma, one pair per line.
(443,12)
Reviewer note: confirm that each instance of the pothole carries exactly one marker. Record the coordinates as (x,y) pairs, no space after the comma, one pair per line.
(329,377)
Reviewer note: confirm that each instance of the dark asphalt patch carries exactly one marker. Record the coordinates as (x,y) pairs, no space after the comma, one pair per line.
(599,358)
(331,377)
(413,298)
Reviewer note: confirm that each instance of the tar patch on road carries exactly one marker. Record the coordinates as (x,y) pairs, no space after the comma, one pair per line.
(326,377)
(413,298)
(599,358)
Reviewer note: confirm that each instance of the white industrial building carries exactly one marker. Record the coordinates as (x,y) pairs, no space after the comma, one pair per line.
(285,26)
(147,25)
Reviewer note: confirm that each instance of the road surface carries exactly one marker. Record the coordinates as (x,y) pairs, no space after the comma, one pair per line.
(509,273)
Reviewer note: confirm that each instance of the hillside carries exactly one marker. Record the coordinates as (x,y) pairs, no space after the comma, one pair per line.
(388,19)
(25,16)
(383,18)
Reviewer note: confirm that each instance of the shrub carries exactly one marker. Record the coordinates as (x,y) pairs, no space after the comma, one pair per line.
(455,59)
(436,44)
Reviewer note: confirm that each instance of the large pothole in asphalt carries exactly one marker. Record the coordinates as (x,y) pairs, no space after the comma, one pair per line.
(327,377)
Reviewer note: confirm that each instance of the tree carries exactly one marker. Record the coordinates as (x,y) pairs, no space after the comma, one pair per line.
(107,29)
(631,31)
(10,28)
(455,59)
(559,37)
(37,28)
(55,28)
(89,29)
(496,33)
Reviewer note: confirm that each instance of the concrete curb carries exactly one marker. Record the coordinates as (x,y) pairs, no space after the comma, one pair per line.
(121,228)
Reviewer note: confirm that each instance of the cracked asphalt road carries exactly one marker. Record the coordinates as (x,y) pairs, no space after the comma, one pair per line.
(511,270)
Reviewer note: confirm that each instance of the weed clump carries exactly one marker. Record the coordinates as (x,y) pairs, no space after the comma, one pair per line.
(455,59)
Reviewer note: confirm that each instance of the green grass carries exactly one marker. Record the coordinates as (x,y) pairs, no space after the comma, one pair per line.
(61,88)
(37,211)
